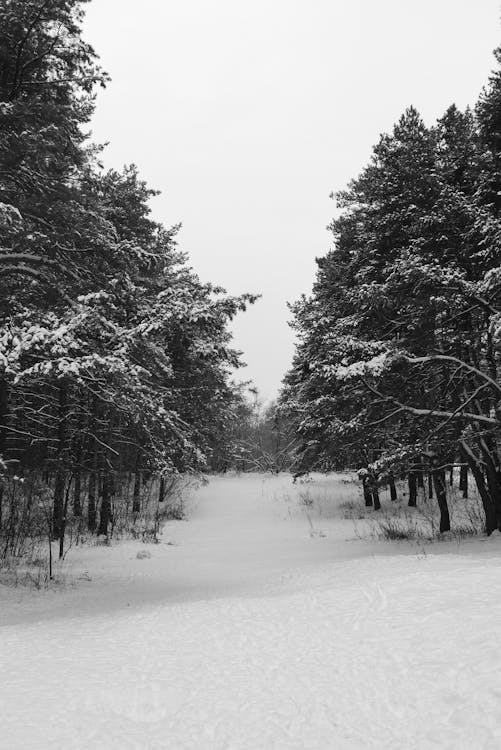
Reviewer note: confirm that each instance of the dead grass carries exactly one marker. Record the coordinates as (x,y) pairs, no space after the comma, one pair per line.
(29,573)
(396,521)
(25,558)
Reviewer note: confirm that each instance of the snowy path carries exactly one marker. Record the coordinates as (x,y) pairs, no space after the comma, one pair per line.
(248,633)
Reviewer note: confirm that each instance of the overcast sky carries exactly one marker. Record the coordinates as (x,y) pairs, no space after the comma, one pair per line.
(247,115)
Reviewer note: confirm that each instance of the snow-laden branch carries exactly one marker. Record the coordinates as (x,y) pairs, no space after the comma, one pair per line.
(9,258)
(448,415)
(459,362)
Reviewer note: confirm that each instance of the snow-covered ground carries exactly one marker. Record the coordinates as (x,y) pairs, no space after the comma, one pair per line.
(264,621)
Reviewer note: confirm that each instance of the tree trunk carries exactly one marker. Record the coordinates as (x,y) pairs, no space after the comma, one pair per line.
(105,515)
(136,496)
(60,480)
(77,493)
(92,504)
(111,502)
(451,476)
(463,480)
(430,486)
(420,478)
(58,508)
(161,490)
(494,491)
(493,476)
(440,490)
(367,493)
(393,489)
(375,498)
(412,489)
(77,462)
(487,503)
(63,525)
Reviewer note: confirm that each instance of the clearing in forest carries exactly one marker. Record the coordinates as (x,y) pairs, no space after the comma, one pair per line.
(268,619)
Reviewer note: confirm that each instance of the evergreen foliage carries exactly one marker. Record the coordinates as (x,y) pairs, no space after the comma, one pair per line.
(114,358)
(397,366)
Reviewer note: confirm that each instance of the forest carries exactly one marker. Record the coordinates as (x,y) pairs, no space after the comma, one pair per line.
(115,359)
(188,561)
(397,367)
(117,370)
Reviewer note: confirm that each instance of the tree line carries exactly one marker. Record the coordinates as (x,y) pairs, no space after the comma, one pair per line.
(259,439)
(397,365)
(115,359)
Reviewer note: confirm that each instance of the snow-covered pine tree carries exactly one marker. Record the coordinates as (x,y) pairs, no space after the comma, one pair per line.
(115,359)
(396,363)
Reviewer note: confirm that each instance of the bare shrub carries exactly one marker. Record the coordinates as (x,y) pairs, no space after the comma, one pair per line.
(26,520)
(398,522)
(306,498)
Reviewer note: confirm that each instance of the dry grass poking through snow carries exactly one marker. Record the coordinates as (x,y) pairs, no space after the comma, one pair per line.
(251,630)
(24,533)
(339,496)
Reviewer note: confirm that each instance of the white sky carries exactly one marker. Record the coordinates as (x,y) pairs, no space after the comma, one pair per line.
(246,115)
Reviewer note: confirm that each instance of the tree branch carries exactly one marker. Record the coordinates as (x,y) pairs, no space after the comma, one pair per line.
(449,358)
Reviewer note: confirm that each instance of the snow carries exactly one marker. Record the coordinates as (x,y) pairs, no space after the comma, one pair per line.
(262,622)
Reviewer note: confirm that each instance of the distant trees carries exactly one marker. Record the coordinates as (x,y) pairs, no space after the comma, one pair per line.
(397,367)
(257,437)
(114,357)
